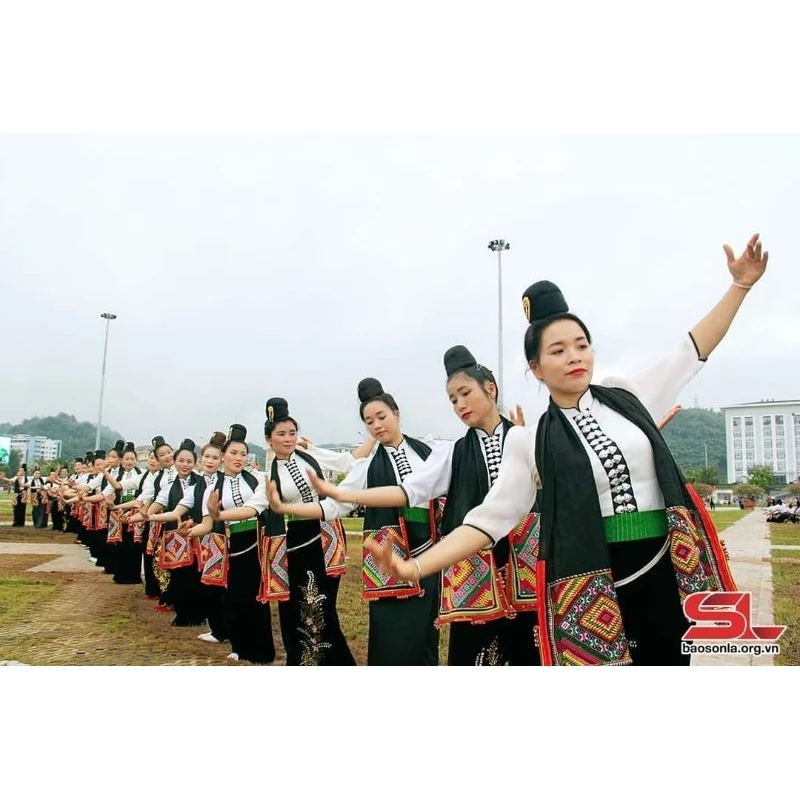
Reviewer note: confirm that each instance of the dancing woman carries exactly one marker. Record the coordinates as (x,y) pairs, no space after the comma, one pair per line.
(401,619)
(623,541)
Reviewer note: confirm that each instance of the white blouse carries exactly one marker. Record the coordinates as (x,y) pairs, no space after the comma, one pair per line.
(149,486)
(227,499)
(438,461)
(657,387)
(129,480)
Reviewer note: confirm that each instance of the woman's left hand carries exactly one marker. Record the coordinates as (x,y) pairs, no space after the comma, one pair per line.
(751,264)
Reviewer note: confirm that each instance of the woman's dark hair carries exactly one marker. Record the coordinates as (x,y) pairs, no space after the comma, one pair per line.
(369,391)
(236,435)
(533,336)
(217,440)
(186,446)
(459,361)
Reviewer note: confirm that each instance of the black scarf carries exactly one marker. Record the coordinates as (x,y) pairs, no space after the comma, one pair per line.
(176,495)
(573,540)
(381,473)
(469,479)
(276,525)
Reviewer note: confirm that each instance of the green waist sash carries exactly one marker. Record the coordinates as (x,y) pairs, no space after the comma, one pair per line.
(126,498)
(415,514)
(635,526)
(244,525)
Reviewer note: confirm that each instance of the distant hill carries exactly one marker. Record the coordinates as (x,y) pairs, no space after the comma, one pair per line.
(76,437)
(689,434)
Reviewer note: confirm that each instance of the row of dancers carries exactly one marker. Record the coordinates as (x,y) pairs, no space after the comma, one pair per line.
(572,543)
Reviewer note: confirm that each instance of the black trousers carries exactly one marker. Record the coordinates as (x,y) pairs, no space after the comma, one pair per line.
(501,642)
(19,515)
(309,621)
(652,614)
(249,621)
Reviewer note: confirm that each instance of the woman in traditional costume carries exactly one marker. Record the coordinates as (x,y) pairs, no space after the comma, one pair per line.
(401,616)
(57,483)
(126,537)
(488,599)
(303,563)
(38,494)
(19,497)
(248,620)
(623,541)
(178,554)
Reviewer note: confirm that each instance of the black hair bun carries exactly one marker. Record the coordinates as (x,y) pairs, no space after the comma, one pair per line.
(237,433)
(541,300)
(276,409)
(369,389)
(187,444)
(458,358)
(217,439)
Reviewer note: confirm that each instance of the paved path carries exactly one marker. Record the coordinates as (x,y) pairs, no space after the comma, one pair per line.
(749,549)
(66,557)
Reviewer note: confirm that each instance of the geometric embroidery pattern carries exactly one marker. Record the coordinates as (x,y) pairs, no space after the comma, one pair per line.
(472,590)
(376,584)
(114,527)
(176,551)
(587,622)
(523,555)
(690,561)
(214,554)
(334,547)
(274,571)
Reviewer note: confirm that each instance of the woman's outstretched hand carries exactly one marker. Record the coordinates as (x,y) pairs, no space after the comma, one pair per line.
(389,563)
(325,489)
(275,503)
(751,264)
(517,416)
(668,417)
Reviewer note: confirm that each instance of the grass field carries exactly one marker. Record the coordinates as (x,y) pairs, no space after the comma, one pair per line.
(20,595)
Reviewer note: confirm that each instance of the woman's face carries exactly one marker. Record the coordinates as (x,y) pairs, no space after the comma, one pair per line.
(212,456)
(20,473)
(165,456)
(37,474)
(184,463)
(470,402)
(152,463)
(381,422)
(566,359)
(283,439)
(63,474)
(235,457)
(112,460)
(129,461)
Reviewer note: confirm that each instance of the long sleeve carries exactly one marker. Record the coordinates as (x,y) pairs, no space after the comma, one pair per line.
(432,478)
(659,385)
(331,460)
(513,494)
(355,480)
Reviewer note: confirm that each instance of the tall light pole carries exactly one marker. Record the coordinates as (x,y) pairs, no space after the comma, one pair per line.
(498,245)
(107,317)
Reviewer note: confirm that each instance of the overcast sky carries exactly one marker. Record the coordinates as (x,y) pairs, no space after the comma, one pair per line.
(242,267)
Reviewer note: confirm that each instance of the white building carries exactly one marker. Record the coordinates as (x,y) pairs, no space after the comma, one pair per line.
(35,449)
(767,432)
